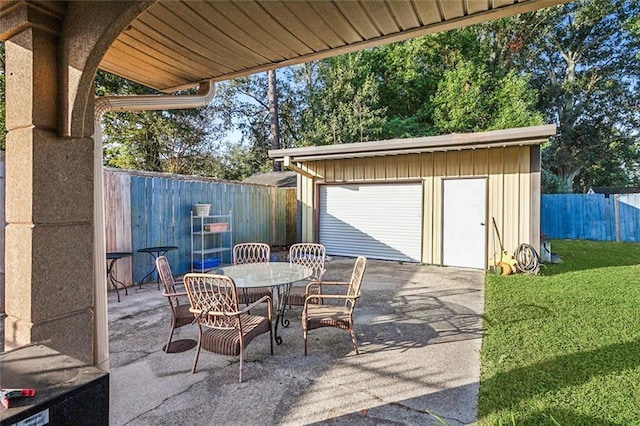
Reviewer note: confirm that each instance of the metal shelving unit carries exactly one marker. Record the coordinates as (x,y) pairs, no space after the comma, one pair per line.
(210,239)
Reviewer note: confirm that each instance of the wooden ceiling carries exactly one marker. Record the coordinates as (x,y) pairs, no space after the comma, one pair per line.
(176,44)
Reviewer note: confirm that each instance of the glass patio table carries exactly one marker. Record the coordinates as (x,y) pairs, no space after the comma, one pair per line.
(274,275)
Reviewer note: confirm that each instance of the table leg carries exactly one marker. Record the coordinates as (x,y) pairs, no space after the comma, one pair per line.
(114,281)
(153,269)
(283,295)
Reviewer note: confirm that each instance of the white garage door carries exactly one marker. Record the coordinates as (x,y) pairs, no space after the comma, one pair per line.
(380,221)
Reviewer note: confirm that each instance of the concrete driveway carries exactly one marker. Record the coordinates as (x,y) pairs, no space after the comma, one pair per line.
(418,331)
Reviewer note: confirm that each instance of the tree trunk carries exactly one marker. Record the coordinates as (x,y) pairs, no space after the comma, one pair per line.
(273,115)
(569,176)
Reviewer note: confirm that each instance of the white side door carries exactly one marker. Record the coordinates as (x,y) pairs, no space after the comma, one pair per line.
(464,223)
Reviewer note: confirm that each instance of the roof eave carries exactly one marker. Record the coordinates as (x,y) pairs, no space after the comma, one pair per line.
(535,135)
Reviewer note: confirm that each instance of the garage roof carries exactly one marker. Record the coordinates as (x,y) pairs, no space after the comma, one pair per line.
(177,44)
(284,179)
(535,135)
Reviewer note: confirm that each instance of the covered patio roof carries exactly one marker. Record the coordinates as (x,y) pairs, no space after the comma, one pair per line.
(175,44)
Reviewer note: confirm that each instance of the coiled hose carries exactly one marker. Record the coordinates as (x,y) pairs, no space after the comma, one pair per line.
(527,259)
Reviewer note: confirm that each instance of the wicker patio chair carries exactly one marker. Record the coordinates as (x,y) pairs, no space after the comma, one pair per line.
(252,253)
(180,314)
(315,315)
(222,327)
(312,256)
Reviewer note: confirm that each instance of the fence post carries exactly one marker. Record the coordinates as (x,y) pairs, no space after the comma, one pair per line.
(3,224)
(616,215)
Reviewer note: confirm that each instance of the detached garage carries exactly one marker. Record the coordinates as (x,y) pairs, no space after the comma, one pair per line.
(431,200)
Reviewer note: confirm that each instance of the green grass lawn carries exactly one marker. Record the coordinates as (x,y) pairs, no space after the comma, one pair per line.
(563,347)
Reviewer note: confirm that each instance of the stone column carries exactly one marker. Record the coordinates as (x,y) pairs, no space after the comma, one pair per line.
(49,194)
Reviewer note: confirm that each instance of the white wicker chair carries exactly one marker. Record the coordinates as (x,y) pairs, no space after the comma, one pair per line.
(252,253)
(224,328)
(312,256)
(315,315)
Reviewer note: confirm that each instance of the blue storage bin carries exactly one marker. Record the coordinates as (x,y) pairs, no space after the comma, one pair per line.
(208,263)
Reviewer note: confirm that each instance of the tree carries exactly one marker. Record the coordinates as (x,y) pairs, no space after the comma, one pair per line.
(274,124)
(174,141)
(195,141)
(428,85)
(470,99)
(244,104)
(339,97)
(461,103)
(584,62)
(575,65)
(408,75)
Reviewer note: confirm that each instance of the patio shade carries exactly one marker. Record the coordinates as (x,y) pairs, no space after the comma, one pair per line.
(176,44)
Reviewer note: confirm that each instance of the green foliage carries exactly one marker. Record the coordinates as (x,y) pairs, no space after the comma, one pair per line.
(340,97)
(470,99)
(243,104)
(175,141)
(583,60)
(562,347)
(408,74)
(241,162)
(423,86)
(408,127)
(157,141)
(461,104)
(552,184)
(617,166)
(194,141)
(109,84)
(514,103)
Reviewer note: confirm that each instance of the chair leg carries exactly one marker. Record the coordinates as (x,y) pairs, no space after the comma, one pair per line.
(304,334)
(166,348)
(289,297)
(241,358)
(353,339)
(195,360)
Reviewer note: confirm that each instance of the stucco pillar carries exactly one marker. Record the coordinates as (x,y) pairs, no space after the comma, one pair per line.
(49,196)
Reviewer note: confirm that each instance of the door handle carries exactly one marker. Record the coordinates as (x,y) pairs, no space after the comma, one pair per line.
(481,223)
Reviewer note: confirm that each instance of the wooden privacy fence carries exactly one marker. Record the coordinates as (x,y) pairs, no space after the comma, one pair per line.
(591,217)
(144,209)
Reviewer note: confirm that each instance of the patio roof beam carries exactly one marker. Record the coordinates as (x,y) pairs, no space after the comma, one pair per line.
(288,162)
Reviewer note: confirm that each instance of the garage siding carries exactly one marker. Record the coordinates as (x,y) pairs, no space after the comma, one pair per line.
(510,189)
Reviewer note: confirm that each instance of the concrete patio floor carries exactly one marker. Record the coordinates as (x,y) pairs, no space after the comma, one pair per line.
(419,335)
